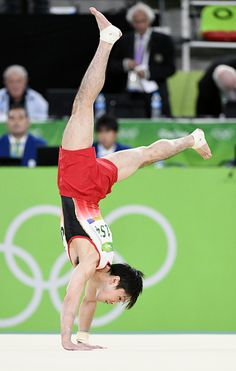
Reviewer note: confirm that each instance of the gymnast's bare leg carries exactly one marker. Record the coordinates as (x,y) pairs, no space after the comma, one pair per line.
(130,160)
(79,130)
(78,133)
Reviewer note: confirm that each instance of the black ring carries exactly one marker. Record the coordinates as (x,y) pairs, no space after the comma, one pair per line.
(229,13)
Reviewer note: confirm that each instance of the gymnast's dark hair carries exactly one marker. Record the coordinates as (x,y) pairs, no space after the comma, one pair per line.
(131,280)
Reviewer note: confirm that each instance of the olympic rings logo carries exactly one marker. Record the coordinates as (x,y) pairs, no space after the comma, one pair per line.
(54,282)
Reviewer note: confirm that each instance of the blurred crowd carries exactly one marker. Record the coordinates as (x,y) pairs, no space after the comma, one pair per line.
(142,61)
(25,6)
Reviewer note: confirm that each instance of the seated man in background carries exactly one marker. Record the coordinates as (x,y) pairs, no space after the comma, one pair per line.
(107,128)
(225,80)
(143,59)
(17,92)
(18,143)
(217,90)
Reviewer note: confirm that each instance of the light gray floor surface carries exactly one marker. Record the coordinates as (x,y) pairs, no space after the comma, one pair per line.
(124,352)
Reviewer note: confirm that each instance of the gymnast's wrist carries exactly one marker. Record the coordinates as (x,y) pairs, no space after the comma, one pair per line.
(82,337)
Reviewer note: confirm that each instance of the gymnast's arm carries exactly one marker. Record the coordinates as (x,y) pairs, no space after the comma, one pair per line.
(87,310)
(82,273)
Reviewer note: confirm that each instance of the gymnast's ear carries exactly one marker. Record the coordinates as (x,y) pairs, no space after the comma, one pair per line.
(115,280)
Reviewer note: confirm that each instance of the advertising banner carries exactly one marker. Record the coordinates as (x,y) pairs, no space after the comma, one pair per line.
(175,225)
(221,137)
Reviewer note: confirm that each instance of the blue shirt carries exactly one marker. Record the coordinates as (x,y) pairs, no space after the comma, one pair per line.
(30,150)
(117,147)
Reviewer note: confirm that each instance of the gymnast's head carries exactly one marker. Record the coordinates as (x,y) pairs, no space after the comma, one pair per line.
(122,283)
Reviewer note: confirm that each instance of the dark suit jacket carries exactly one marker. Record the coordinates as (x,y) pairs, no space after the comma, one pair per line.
(208,100)
(30,152)
(119,147)
(161,61)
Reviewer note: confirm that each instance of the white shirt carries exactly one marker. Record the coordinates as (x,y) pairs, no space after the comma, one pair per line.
(134,82)
(17,146)
(36,105)
(102,151)
(146,38)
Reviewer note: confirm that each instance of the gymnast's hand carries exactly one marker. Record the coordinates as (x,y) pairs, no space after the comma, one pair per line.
(68,345)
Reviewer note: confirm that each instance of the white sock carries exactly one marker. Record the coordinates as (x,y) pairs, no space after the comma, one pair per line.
(199,138)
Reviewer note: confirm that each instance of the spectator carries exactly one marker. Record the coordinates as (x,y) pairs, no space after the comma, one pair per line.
(143,59)
(17,92)
(107,129)
(18,143)
(217,89)
(225,80)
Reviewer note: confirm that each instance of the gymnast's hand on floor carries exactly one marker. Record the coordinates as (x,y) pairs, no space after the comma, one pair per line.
(79,346)
(93,346)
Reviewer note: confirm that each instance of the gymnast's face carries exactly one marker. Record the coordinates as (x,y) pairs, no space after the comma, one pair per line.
(109,294)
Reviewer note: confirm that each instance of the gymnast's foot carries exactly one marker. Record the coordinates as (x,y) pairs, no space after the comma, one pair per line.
(108,32)
(200,144)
